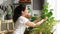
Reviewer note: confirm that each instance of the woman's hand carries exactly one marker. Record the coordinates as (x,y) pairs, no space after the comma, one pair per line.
(45,18)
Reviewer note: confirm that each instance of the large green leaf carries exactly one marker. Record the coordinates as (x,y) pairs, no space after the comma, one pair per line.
(49,14)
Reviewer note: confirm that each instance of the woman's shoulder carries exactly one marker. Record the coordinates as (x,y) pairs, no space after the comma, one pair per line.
(22,17)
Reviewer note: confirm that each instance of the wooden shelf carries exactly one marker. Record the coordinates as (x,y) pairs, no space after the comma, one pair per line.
(28,0)
(24,1)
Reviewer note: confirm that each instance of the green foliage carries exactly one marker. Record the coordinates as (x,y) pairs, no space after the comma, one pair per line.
(33,17)
(29,10)
(48,14)
(47,26)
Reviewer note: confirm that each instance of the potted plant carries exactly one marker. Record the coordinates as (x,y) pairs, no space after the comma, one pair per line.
(9,13)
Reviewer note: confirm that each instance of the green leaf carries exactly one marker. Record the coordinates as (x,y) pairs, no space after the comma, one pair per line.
(29,10)
(46,5)
(43,16)
(33,18)
(35,15)
(49,14)
(44,11)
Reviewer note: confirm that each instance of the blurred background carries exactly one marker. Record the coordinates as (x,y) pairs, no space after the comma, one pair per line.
(35,8)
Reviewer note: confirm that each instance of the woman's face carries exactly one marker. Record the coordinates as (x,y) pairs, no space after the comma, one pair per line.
(25,12)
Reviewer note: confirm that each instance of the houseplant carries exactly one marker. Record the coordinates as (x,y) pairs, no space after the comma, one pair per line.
(47,26)
(9,13)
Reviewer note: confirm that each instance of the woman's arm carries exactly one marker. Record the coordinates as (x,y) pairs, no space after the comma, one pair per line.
(32,24)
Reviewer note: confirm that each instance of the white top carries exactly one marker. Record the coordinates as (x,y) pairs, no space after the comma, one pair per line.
(20,25)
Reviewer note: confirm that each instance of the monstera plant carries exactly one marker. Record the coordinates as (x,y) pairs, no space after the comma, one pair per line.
(47,26)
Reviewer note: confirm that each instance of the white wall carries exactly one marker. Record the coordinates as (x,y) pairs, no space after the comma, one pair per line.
(58,9)
(55,4)
(35,11)
(52,5)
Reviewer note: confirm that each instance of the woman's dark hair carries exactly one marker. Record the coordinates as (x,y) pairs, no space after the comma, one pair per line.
(18,11)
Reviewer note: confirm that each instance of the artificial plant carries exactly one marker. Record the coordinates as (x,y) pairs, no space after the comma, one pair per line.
(47,26)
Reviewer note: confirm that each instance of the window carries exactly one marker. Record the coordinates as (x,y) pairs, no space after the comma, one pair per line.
(38,4)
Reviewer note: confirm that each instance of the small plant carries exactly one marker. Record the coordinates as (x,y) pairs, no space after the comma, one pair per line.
(29,9)
(9,13)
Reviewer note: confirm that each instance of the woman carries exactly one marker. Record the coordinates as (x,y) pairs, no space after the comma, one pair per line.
(19,17)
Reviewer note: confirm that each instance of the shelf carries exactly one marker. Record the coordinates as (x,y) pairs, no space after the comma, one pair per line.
(28,0)
(25,1)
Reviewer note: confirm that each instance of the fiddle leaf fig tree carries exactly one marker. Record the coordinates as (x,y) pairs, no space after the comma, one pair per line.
(47,26)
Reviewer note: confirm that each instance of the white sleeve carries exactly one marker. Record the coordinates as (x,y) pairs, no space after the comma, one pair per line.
(23,20)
